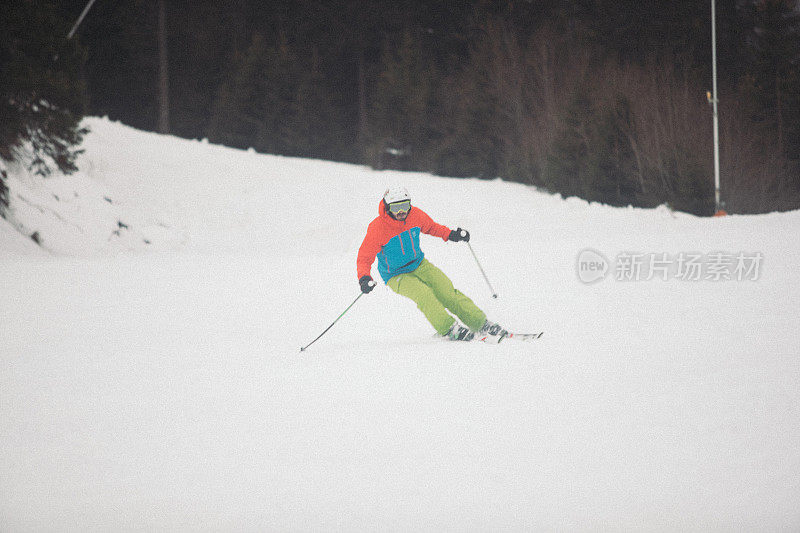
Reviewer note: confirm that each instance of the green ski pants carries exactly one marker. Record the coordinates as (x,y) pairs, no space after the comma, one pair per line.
(434,293)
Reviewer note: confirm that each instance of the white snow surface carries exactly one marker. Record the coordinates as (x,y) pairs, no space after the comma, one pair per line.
(159,386)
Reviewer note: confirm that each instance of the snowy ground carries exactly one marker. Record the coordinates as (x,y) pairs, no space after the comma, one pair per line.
(150,374)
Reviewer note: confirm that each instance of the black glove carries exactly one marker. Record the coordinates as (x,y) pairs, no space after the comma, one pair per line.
(367,283)
(458,234)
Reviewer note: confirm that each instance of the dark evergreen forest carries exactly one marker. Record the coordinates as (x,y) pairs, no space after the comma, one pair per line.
(601,99)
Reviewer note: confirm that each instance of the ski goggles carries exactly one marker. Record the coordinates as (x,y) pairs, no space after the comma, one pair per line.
(400,207)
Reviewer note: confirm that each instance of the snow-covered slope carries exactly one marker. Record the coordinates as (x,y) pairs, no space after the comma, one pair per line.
(12,242)
(150,374)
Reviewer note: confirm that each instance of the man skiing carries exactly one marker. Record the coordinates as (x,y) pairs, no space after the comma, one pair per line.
(393,237)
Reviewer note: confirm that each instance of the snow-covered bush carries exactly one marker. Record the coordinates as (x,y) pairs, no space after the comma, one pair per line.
(3,193)
(41,92)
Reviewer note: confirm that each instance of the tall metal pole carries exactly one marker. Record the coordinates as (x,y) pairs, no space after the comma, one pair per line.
(714,102)
(163,70)
(80,19)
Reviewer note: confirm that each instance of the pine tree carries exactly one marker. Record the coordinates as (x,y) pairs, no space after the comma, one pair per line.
(401,106)
(591,157)
(3,193)
(255,106)
(122,62)
(314,130)
(774,78)
(41,92)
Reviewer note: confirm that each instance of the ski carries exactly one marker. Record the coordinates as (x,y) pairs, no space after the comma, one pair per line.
(496,339)
(524,336)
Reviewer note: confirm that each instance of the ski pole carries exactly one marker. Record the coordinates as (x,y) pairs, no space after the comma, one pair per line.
(334,322)
(494,294)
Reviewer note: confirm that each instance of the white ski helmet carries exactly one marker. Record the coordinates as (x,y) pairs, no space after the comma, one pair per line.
(395,194)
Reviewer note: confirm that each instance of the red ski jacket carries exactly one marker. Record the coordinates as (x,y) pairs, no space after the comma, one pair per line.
(395,243)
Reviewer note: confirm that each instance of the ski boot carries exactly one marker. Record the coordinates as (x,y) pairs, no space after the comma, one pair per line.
(459,332)
(492,332)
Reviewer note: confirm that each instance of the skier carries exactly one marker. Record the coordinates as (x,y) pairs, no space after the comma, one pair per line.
(393,237)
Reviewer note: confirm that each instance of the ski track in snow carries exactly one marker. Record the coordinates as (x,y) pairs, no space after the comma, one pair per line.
(160,386)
